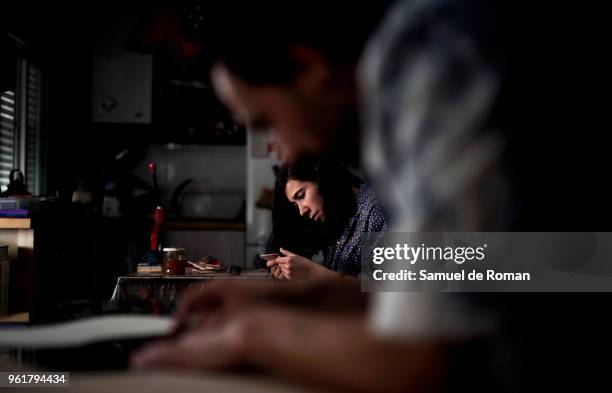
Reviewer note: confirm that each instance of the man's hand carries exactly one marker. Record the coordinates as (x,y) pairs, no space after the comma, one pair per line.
(327,350)
(217,345)
(227,296)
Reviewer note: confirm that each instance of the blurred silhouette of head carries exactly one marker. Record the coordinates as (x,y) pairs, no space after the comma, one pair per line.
(290,68)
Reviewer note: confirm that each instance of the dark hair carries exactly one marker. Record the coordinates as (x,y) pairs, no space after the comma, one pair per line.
(253,38)
(300,234)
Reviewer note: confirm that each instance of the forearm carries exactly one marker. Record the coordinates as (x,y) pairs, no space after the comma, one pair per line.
(337,352)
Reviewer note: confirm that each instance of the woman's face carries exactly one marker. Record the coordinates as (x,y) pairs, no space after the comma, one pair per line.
(305,195)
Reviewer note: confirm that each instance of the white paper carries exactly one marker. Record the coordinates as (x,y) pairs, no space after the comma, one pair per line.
(85,331)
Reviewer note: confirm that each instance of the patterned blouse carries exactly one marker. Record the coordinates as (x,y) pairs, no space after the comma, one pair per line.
(344,255)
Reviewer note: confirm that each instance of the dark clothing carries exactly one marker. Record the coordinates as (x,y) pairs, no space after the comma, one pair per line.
(344,254)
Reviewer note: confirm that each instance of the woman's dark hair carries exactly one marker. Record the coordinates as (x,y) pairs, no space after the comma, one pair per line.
(300,234)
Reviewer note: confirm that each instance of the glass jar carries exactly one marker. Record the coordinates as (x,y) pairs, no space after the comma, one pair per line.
(173,263)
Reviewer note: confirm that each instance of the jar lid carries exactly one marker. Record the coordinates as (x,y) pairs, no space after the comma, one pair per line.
(173,249)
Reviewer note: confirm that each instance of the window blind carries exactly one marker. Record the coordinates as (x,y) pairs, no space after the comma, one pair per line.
(7,135)
(32,148)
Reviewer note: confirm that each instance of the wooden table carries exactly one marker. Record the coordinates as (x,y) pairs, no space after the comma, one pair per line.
(161,292)
(22,317)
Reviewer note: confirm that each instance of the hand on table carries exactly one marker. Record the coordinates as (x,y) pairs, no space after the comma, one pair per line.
(215,345)
(224,341)
(234,338)
(227,296)
(319,349)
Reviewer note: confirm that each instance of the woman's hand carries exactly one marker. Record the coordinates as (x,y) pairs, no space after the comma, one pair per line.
(276,271)
(293,266)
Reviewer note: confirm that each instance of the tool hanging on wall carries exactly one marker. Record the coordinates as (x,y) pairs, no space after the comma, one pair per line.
(154,256)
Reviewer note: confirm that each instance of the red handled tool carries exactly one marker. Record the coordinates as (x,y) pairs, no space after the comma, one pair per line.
(158,219)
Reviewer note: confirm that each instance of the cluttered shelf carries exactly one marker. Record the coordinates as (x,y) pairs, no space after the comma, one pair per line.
(16,211)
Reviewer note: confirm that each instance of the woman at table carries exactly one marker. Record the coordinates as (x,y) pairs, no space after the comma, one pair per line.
(319,205)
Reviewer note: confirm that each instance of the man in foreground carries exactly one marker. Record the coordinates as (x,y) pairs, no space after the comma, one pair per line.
(434,93)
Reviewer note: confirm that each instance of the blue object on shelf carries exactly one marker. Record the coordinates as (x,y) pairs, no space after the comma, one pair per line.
(14,213)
